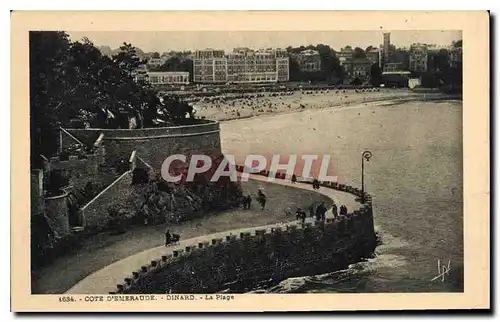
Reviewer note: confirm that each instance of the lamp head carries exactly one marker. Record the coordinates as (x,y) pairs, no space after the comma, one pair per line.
(367,155)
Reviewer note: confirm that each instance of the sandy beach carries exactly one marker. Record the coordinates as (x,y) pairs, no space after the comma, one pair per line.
(255,104)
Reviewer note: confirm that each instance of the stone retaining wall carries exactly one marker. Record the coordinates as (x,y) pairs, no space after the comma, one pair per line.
(154,145)
(94,213)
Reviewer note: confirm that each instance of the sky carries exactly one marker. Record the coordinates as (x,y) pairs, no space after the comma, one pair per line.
(165,41)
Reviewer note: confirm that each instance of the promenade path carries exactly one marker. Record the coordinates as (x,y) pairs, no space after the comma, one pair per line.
(105,280)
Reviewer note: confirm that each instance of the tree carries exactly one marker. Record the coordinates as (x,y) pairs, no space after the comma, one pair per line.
(149,107)
(356,82)
(106,93)
(296,50)
(187,66)
(369,48)
(176,64)
(48,86)
(438,61)
(359,53)
(429,80)
(177,109)
(457,44)
(443,59)
(330,65)
(173,64)
(128,58)
(75,81)
(106,50)
(155,55)
(294,70)
(375,75)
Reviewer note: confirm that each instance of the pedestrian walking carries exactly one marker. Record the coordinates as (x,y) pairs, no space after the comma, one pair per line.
(335,211)
(320,211)
(301,215)
(262,198)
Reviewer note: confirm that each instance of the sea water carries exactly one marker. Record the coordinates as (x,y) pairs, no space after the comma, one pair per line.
(415,178)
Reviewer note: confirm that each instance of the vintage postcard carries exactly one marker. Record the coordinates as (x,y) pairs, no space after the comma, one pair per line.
(250,161)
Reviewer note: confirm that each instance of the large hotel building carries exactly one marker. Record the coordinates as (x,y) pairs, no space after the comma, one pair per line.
(243,65)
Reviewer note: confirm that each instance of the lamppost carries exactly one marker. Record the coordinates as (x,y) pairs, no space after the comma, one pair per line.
(365,155)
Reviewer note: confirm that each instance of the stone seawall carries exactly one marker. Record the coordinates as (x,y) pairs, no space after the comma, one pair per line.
(155,144)
(236,263)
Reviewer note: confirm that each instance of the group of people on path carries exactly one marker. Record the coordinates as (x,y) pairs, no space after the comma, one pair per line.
(171,239)
(261,199)
(319,212)
(336,211)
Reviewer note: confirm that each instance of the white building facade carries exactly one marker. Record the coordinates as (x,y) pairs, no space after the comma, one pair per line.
(164,78)
(243,65)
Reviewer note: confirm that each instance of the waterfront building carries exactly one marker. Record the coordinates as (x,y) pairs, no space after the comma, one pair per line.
(243,65)
(393,67)
(283,69)
(418,58)
(309,61)
(344,54)
(209,66)
(278,52)
(373,55)
(164,78)
(247,66)
(357,68)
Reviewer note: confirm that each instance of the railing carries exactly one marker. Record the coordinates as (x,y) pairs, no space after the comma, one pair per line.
(71,136)
(202,127)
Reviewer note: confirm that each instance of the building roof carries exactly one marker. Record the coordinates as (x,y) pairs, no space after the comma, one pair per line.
(397,73)
(167,73)
(309,52)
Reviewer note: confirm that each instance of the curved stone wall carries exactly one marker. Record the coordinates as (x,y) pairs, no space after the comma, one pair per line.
(236,263)
(154,145)
(56,211)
